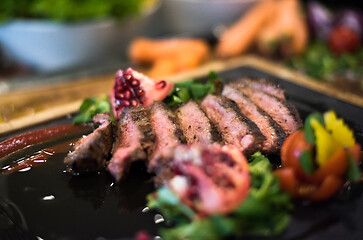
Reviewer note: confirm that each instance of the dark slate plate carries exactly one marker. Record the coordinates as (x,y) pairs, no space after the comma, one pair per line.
(93,207)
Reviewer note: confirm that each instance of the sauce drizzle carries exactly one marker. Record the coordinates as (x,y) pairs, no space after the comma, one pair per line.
(40,157)
(21,141)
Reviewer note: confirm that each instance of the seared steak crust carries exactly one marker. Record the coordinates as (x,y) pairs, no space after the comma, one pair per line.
(282,112)
(195,124)
(269,128)
(134,140)
(91,151)
(168,135)
(262,85)
(235,128)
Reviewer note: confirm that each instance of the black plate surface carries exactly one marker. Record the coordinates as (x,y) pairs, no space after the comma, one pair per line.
(93,207)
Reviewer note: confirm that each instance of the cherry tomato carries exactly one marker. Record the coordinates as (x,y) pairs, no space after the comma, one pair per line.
(293,147)
(288,180)
(343,39)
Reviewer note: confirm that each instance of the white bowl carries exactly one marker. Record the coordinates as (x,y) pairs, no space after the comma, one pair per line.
(202,17)
(52,46)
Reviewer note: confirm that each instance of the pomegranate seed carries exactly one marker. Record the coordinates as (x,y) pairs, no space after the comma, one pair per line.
(140,92)
(160,85)
(120,95)
(119,88)
(135,83)
(134,102)
(126,103)
(127,94)
(127,76)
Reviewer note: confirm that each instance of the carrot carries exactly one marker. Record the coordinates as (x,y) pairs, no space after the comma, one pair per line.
(300,33)
(240,36)
(176,63)
(144,50)
(269,36)
(287,30)
(169,56)
(295,38)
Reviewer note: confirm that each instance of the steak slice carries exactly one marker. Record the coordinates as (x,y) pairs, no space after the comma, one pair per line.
(196,125)
(235,128)
(262,85)
(134,140)
(91,151)
(269,128)
(168,135)
(281,111)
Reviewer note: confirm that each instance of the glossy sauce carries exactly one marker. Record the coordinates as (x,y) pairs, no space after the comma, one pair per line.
(40,157)
(38,136)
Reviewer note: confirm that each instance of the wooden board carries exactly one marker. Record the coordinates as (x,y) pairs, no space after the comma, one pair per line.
(23,108)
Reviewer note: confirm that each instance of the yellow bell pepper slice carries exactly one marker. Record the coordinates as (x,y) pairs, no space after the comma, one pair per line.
(339,131)
(332,137)
(325,144)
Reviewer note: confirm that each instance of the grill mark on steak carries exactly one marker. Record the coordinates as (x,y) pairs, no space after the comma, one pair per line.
(196,125)
(282,112)
(269,128)
(263,85)
(134,141)
(91,151)
(235,128)
(168,135)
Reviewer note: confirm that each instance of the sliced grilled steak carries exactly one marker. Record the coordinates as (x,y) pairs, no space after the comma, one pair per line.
(134,140)
(195,124)
(269,128)
(282,112)
(168,135)
(235,128)
(262,85)
(91,151)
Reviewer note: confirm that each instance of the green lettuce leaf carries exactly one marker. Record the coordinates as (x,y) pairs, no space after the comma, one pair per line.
(90,107)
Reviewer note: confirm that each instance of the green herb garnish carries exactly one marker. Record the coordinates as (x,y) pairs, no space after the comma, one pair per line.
(193,90)
(307,162)
(353,172)
(308,129)
(90,107)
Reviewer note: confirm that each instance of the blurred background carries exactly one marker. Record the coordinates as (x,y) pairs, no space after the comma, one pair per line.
(44,41)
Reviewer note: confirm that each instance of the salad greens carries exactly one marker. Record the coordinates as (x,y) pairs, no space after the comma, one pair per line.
(68,10)
(193,89)
(90,107)
(320,63)
(264,212)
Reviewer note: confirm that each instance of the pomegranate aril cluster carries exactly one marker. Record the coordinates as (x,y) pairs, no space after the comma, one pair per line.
(127,90)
